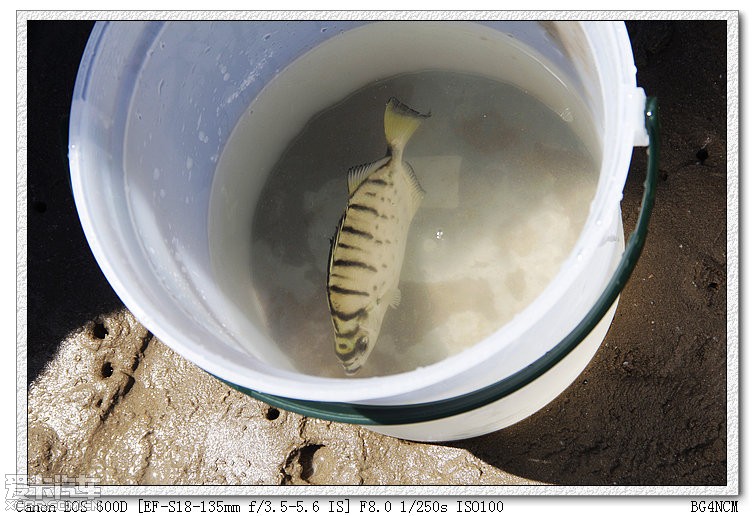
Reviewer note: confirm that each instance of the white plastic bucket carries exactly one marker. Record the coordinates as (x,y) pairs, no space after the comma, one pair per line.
(172,78)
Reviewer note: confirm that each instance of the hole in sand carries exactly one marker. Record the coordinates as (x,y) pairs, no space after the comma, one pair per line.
(272,413)
(306,460)
(99,330)
(107,370)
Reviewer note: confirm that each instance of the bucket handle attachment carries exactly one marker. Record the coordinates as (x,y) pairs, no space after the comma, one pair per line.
(420,412)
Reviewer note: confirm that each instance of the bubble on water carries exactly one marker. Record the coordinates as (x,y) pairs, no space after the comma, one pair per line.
(439,234)
(226,76)
(189,162)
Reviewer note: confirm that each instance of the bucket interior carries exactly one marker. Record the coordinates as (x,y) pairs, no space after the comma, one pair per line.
(156,105)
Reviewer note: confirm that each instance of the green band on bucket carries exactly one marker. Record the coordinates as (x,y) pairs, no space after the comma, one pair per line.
(421,412)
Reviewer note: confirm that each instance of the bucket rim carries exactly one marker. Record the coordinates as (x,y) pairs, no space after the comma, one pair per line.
(378,389)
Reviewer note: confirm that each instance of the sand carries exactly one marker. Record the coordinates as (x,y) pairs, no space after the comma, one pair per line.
(125,409)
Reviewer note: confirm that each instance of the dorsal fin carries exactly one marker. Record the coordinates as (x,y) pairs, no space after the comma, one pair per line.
(358,174)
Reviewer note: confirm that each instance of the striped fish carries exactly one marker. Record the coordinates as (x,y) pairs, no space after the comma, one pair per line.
(367,250)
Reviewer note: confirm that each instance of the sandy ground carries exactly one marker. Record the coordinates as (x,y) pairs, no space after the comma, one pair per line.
(109,400)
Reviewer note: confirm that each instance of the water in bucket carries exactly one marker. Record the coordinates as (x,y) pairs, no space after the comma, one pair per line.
(508,182)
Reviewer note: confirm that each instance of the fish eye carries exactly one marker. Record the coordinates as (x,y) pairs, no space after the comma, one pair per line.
(362,343)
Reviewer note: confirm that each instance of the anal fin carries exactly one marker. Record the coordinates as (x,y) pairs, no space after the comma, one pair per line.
(415,190)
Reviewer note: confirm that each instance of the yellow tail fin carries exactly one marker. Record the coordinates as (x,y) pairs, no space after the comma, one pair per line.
(400,123)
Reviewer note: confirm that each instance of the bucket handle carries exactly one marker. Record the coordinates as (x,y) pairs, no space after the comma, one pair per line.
(428,411)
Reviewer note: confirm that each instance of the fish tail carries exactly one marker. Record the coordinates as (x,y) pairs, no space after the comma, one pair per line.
(400,123)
